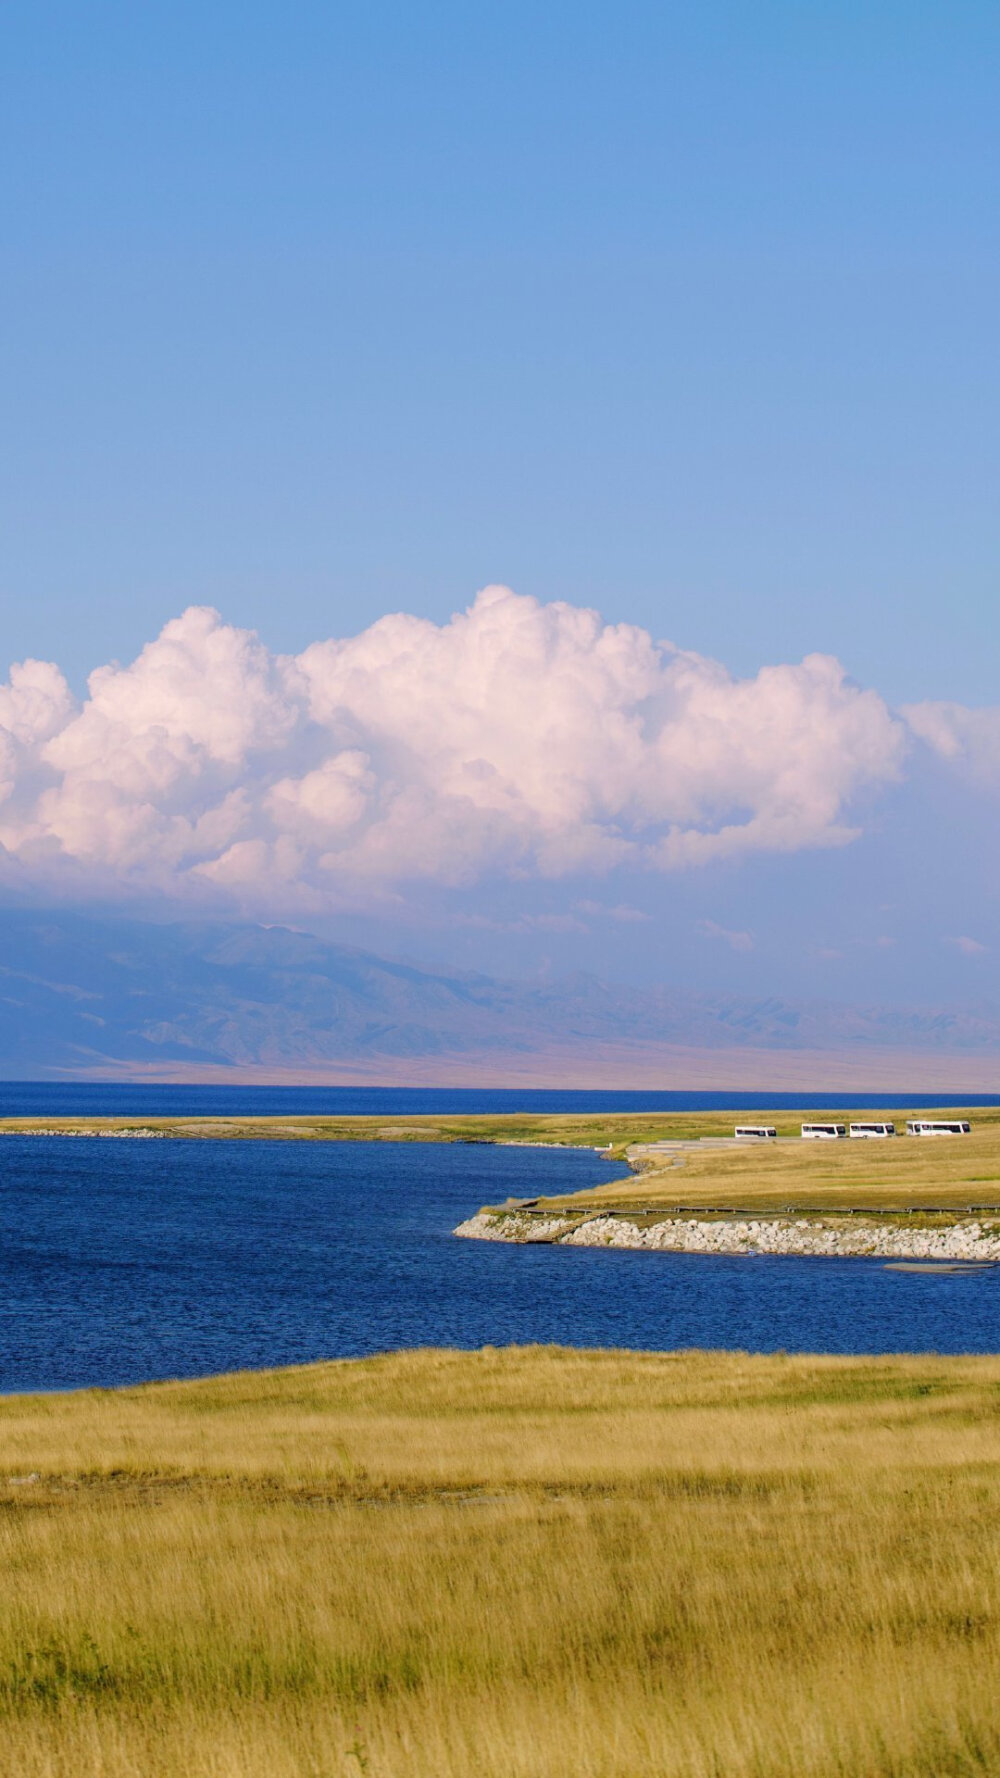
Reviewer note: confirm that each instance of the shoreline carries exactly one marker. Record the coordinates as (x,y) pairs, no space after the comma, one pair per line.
(970,1241)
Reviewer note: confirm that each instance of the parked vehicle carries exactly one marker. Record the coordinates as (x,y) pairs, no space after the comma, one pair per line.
(873,1130)
(936,1126)
(823,1132)
(755,1132)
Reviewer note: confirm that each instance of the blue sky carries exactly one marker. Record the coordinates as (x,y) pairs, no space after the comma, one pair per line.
(688,313)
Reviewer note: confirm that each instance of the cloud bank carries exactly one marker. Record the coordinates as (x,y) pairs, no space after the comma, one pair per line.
(516,739)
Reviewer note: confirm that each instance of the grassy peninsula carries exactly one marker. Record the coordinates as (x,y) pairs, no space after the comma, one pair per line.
(903,1198)
(520,1564)
(901,1174)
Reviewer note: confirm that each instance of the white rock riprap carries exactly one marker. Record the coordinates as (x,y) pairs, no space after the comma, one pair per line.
(970,1240)
(508,1226)
(104,1135)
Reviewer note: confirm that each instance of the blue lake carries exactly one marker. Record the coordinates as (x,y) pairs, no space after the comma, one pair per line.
(46,1098)
(127,1260)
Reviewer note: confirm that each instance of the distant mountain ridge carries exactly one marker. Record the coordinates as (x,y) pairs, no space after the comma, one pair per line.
(88,994)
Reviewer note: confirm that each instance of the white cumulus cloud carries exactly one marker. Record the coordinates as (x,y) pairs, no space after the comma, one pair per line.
(967,738)
(518,738)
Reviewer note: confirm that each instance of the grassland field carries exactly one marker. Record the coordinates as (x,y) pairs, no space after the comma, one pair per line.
(926,1179)
(530,1563)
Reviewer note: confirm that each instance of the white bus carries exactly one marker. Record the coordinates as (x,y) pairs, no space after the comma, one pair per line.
(755,1132)
(873,1129)
(935,1126)
(823,1132)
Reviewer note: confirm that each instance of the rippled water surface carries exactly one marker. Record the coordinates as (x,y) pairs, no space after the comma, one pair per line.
(75,1098)
(126,1260)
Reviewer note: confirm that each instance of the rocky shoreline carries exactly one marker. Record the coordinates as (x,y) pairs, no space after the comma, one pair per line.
(105,1135)
(967,1240)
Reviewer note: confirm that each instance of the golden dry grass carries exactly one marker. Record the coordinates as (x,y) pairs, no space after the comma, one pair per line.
(518,1564)
(618,1129)
(952,1173)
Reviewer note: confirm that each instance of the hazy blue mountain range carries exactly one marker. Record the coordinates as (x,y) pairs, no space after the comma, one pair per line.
(82,993)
